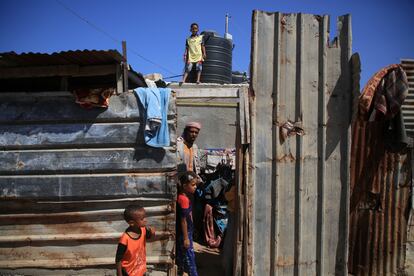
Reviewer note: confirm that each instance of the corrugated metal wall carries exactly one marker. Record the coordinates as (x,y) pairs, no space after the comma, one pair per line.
(379,203)
(408,114)
(409,257)
(381,184)
(300,186)
(66,174)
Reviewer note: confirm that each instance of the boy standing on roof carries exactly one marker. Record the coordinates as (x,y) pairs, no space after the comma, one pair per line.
(195,52)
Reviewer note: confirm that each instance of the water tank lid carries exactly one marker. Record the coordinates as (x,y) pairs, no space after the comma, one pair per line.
(210,33)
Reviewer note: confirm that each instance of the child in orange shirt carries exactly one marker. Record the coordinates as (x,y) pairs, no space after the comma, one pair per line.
(131,256)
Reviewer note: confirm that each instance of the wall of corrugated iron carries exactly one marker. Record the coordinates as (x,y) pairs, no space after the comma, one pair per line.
(299,211)
(66,174)
(408,115)
(379,204)
(409,257)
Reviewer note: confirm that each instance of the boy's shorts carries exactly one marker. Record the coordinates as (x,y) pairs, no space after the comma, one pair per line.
(189,66)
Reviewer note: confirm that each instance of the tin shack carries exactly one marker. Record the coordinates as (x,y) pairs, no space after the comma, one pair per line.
(72,157)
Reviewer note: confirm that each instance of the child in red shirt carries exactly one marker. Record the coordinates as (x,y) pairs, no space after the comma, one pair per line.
(185,256)
(131,256)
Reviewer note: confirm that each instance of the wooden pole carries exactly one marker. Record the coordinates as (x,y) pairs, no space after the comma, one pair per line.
(125,65)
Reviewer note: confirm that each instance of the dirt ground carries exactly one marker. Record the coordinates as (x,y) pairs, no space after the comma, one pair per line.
(208,260)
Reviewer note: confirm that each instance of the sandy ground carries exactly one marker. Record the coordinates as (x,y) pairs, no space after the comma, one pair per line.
(208,260)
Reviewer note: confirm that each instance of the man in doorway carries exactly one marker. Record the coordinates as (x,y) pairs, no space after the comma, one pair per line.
(188,160)
(187,150)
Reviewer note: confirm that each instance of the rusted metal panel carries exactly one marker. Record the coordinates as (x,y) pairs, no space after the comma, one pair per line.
(61,161)
(381,184)
(379,204)
(67,175)
(80,186)
(76,239)
(75,134)
(242,180)
(409,260)
(24,108)
(300,183)
(408,115)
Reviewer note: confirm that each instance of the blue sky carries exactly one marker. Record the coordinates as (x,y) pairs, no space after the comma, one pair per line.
(155,31)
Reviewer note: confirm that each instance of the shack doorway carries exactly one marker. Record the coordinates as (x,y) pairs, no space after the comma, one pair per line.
(218,210)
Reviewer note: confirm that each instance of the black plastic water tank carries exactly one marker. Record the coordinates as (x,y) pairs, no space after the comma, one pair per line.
(217,68)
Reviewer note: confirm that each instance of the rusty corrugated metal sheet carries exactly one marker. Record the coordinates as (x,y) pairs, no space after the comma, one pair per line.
(380,195)
(78,57)
(408,114)
(66,175)
(379,202)
(299,222)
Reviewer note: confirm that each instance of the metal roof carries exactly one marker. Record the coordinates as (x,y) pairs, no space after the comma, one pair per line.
(78,57)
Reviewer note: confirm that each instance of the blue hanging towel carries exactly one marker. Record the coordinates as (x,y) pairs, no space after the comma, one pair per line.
(155,101)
